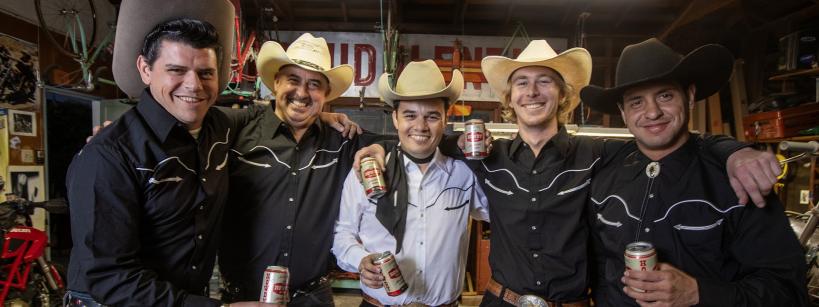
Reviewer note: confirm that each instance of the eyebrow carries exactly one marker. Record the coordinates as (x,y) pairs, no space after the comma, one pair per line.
(172,66)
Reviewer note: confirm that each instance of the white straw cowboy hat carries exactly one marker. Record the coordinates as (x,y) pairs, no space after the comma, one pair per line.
(307,52)
(138,17)
(574,65)
(421,80)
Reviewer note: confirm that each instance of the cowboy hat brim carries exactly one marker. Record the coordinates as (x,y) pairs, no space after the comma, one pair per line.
(573,65)
(451,92)
(138,17)
(272,57)
(709,68)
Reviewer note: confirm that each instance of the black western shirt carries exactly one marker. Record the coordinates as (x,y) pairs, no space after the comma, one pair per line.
(284,201)
(684,205)
(538,243)
(146,203)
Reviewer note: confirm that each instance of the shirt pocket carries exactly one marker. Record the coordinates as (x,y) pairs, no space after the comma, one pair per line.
(702,238)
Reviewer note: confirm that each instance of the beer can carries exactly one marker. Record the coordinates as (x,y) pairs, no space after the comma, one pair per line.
(393,280)
(641,256)
(474,146)
(274,285)
(372,178)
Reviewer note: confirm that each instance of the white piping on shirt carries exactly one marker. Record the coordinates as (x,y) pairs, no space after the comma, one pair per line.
(510,174)
(489,183)
(335,160)
(696,201)
(623,202)
(607,222)
(276,157)
(212,146)
(566,171)
(698,228)
(152,180)
(588,181)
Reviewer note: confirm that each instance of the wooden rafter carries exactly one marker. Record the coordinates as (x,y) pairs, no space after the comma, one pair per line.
(695,10)
(344,11)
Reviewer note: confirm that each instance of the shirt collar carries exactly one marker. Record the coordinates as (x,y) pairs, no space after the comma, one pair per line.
(273,125)
(561,140)
(159,120)
(677,161)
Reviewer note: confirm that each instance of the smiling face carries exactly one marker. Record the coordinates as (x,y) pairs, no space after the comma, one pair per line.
(420,125)
(300,95)
(657,114)
(535,96)
(184,80)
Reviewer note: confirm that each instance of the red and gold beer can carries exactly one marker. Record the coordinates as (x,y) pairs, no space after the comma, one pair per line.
(372,178)
(474,146)
(274,285)
(393,280)
(641,256)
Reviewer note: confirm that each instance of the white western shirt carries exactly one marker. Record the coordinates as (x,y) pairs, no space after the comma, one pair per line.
(433,257)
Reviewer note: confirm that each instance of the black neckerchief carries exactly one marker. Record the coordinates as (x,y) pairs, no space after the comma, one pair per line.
(420,161)
(391,209)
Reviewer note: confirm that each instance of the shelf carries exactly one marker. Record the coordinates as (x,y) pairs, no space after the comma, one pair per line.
(801,138)
(796,73)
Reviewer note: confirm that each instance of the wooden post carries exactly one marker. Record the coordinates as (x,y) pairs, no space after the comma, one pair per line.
(714,114)
(739,98)
(701,124)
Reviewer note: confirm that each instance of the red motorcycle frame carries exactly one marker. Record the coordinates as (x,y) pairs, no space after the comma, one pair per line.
(30,247)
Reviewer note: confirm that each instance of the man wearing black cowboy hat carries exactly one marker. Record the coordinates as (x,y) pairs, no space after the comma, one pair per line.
(665,189)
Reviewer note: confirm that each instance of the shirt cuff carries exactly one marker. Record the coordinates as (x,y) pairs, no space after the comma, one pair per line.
(196,301)
(714,293)
(355,255)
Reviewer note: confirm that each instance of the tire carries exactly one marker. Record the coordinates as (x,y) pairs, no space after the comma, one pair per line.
(54,11)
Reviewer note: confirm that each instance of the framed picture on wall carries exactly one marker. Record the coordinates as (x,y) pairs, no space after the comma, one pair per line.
(27,181)
(22,123)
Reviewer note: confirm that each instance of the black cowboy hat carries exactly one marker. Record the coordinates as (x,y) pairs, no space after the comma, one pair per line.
(708,67)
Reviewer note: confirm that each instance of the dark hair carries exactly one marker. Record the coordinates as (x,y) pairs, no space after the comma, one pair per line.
(196,33)
(396,103)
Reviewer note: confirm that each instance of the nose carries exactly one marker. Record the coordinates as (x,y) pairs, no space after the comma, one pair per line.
(301,90)
(192,81)
(653,110)
(532,90)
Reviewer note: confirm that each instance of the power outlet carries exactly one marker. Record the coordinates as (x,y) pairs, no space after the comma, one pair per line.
(804,196)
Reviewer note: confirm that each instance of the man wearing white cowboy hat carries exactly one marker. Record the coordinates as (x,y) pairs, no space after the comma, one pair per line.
(536,183)
(423,218)
(666,189)
(286,172)
(145,195)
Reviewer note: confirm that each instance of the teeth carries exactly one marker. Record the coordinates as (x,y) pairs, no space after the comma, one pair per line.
(533,106)
(299,103)
(187,99)
(419,138)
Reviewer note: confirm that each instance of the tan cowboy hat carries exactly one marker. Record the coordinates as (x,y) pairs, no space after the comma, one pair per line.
(307,52)
(138,17)
(574,65)
(708,67)
(421,80)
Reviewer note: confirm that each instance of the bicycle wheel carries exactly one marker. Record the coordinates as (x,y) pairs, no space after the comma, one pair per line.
(62,16)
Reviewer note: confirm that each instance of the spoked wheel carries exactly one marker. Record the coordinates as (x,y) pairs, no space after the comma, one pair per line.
(61,16)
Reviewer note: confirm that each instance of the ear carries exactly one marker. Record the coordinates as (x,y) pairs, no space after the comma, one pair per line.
(623,115)
(691,91)
(144,70)
(395,118)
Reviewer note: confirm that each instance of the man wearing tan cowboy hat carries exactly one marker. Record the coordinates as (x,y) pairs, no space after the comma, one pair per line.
(146,193)
(664,188)
(286,169)
(536,183)
(423,218)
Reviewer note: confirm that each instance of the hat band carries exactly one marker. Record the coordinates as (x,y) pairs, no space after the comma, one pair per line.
(308,64)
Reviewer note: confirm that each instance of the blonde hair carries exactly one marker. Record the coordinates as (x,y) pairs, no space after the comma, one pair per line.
(563,110)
